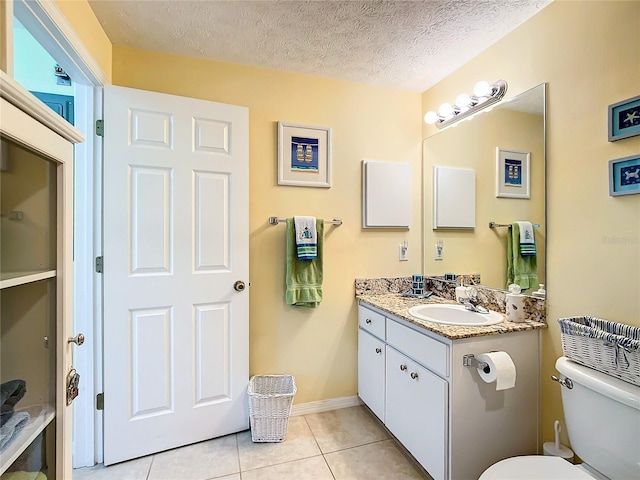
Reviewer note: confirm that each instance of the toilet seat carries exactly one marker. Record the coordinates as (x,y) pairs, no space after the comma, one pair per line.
(534,467)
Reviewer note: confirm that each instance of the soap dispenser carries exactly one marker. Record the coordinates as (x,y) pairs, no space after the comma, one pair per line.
(515,304)
(541,292)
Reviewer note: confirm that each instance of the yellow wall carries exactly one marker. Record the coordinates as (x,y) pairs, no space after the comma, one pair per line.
(318,346)
(84,22)
(473,145)
(584,52)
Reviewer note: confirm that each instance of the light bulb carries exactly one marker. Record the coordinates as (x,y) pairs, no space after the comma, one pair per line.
(482,89)
(445,110)
(463,100)
(431,117)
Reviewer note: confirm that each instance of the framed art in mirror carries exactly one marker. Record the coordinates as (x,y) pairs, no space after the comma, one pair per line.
(512,173)
(304,155)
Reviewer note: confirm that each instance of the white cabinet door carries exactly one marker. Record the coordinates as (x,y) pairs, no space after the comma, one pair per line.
(416,411)
(371,365)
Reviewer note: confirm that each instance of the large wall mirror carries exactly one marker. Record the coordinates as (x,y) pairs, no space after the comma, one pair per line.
(516,123)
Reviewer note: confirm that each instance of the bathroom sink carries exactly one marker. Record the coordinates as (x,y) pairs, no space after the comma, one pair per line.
(449,314)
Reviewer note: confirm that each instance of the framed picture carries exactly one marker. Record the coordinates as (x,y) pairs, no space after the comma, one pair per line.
(624,119)
(512,173)
(304,155)
(624,176)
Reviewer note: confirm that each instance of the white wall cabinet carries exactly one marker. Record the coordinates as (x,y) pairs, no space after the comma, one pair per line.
(454,424)
(36,238)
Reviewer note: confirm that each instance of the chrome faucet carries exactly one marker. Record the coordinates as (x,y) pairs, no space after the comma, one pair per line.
(472,303)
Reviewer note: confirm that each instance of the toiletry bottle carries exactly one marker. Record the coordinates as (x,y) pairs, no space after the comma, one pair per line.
(541,292)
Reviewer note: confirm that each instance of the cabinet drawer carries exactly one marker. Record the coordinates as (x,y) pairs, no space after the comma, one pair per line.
(372,322)
(426,350)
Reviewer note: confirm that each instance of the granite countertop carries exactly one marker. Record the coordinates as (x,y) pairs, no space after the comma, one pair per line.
(397,305)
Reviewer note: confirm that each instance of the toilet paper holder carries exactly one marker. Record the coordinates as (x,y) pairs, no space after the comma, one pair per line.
(469,360)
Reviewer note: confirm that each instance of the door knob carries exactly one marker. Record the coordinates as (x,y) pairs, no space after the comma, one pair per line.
(239,286)
(414,375)
(403,368)
(378,350)
(78,339)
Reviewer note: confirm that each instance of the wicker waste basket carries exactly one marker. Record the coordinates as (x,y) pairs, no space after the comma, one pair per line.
(270,400)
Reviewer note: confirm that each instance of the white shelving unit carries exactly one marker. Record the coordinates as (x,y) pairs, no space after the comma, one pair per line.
(36,282)
(14,279)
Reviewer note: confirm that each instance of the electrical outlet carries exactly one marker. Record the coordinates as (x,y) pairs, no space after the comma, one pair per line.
(403,252)
(437,253)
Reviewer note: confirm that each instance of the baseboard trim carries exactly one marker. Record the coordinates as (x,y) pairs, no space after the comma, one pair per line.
(325,405)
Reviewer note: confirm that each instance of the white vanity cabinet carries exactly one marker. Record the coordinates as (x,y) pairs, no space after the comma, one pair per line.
(453,423)
(416,411)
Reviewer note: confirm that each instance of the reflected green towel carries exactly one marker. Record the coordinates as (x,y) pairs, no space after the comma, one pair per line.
(520,270)
(303,277)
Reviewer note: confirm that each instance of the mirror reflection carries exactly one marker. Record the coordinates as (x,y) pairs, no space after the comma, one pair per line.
(479,143)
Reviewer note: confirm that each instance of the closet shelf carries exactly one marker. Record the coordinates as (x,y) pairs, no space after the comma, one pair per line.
(41,416)
(12,279)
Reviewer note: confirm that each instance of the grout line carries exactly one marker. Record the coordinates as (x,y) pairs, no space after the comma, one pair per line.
(313,435)
(150,465)
(238,456)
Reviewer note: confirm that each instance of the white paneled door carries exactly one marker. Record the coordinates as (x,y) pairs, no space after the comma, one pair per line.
(176,353)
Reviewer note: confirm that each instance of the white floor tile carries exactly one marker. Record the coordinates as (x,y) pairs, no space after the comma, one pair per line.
(137,469)
(201,461)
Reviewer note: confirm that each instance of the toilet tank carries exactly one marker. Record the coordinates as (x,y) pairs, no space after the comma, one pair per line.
(602,415)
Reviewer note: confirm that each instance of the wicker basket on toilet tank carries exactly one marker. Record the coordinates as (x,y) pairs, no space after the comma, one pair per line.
(609,347)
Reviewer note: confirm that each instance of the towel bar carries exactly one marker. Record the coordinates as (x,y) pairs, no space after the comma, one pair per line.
(276,220)
(496,225)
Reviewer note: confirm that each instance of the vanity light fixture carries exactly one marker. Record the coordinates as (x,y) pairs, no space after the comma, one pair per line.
(484,95)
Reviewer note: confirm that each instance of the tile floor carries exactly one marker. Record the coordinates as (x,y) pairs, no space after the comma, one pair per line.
(345,444)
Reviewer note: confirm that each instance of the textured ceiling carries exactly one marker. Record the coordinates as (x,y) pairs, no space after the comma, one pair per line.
(409,45)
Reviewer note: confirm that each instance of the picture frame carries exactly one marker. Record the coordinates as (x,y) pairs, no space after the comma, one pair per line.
(624,176)
(304,155)
(513,173)
(624,119)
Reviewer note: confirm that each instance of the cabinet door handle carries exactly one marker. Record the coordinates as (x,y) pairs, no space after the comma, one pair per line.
(403,368)
(78,339)
(414,375)
(378,350)
(368,321)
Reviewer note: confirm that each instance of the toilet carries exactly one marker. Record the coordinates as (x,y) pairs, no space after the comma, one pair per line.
(602,416)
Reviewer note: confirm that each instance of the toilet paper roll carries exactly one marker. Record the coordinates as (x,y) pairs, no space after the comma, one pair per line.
(515,308)
(500,369)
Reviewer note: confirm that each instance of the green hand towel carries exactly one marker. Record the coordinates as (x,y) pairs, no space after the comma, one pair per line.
(303,277)
(520,270)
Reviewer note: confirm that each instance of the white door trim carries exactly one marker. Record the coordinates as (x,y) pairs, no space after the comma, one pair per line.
(50,28)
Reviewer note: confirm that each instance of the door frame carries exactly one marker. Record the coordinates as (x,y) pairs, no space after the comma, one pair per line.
(50,28)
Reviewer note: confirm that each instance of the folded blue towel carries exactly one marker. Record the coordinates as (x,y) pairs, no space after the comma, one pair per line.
(306,237)
(10,430)
(527,239)
(10,393)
